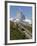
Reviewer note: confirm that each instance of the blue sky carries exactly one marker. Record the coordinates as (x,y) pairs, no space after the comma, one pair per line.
(27,11)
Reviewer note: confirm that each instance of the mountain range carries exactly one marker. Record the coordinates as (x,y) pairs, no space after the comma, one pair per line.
(18,20)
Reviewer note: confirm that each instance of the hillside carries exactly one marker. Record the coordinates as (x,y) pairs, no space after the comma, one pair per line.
(15,33)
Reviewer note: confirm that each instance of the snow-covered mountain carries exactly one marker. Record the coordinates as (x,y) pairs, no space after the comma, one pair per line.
(15,20)
(20,17)
(18,20)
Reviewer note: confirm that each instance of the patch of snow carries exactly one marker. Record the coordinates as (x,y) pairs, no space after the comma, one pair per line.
(11,19)
(27,20)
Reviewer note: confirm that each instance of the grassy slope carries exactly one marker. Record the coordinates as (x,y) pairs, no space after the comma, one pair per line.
(28,27)
(15,33)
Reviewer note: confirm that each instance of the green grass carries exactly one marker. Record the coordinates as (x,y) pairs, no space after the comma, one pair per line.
(15,34)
